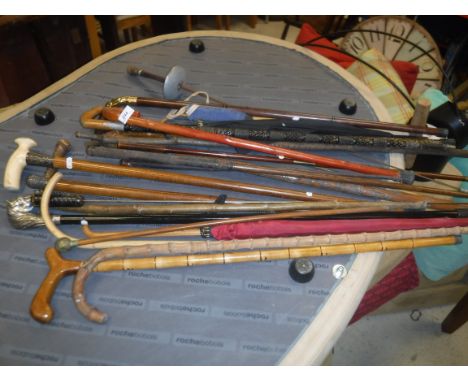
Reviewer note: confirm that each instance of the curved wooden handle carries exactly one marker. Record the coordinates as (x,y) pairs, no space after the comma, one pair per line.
(41,309)
(62,148)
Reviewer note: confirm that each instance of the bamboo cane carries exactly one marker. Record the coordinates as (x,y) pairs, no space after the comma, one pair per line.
(162,262)
(42,310)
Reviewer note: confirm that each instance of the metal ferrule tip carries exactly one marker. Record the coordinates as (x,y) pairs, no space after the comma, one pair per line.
(124,100)
(64,244)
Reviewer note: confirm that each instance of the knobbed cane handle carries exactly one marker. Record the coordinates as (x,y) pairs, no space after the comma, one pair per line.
(41,309)
(62,148)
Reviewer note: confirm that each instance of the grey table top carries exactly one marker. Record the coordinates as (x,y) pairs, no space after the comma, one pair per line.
(246,314)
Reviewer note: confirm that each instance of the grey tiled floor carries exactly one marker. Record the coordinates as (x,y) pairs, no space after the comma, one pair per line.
(396,339)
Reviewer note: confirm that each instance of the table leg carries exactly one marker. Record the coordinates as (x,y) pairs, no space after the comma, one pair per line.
(457,317)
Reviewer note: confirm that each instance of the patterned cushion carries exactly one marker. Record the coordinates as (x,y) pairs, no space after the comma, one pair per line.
(396,104)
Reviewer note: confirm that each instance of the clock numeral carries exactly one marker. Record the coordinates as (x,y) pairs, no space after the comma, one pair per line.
(357,44)
(375,34)
(428,85)
(399,30)
(416,44)
(427,66)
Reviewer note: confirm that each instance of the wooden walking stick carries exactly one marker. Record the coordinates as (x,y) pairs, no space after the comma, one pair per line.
(66,242)
(338,182)
(42,311)
(13,171)
(357,188)
(329,141)
(113,114)
(102,189)
(131,141)
(281,228)
(162,262)
(269,113)
(341,183)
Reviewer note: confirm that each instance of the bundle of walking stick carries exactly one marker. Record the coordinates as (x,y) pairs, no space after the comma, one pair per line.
(359,207)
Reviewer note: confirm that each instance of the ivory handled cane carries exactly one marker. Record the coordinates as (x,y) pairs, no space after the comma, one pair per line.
(22,154)
(173,177)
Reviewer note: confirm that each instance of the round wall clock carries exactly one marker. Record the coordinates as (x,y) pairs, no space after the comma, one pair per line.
(402,39)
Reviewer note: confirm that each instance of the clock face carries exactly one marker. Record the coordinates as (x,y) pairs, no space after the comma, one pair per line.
(417,49)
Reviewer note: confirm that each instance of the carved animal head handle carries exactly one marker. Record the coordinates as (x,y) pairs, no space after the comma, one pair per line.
(41,309)
(16,163)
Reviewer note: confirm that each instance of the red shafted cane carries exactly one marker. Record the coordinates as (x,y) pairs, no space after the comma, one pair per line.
(113,114)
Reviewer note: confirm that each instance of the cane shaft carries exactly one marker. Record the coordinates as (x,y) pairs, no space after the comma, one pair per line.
(431,175)
(161,262)
(254,146)
(392,144)
(269,113)
(205,153)
(86,188)
(227,164)
(118,137)
(169,177)
(283,215)
(139,209)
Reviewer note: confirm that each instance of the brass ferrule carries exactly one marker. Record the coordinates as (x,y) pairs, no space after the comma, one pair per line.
(124,100)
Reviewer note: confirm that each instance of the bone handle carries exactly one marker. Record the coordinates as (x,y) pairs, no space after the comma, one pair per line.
(16,163)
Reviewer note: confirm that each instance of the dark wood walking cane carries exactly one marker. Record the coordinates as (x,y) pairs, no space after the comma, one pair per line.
(166,144)
(113,114)
(163,176)
(269,113)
